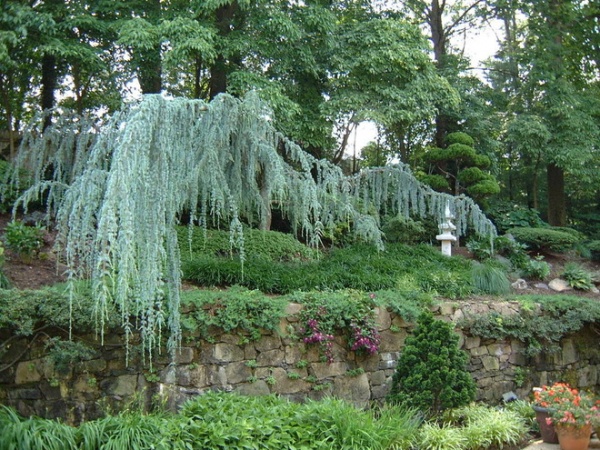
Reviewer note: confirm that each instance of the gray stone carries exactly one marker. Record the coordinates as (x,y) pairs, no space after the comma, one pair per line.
(294,353)
(392,342)
(472,342)
(569,353)
(270,358)
(353,389)
(325,370)
(382,318)
(369,363)
(28,372)
(543,286)
(250,352)
(227,353)
(520,284)
(379,392)
(93,365)
(559,285)
(490,363)
(123,385)
(292,311)
(198,376)
(479,351)
(184,356)
(237,372)
(259,387)
(286,385)
(446,309)
(217,377)
(229,339)
(377,378)
(268,343)
(498,349)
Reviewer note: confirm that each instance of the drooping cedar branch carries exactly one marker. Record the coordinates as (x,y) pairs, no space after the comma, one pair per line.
(117,191)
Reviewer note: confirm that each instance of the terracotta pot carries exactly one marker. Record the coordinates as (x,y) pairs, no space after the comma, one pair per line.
(571,437)
(546,430)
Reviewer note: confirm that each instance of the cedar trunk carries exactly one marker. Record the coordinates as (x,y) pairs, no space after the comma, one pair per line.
(557,205)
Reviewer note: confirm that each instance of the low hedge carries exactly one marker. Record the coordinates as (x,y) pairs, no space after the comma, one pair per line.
(553,239)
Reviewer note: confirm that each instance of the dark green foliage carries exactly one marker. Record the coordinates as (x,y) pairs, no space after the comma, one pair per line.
(508,215)
(23,312)
(502,245)
(594,247)
(540,331)
(24,240)
(359,267)
(578,277)
(544,238)
(408,231)
(237,309)
(490,279)
(270,245)
(8,192)
(65,353)
(536,268)
(431,375)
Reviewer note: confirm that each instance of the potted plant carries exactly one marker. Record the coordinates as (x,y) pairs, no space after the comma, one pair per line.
(542,398)
(571,412)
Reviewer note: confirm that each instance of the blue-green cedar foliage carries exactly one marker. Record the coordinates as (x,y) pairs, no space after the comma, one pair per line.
(117,192)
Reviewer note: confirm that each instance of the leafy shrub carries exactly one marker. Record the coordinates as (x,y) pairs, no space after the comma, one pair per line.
(536,268)
(578,277)
(407,231)
(269,245)
(431,375)
(490,279)
(23,239)
(507,215)
(545,238)
(237,309)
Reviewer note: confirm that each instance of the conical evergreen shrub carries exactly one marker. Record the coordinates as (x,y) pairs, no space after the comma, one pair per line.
(431,375)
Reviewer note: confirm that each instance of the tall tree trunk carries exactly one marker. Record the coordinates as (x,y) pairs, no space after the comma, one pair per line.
(219,71)
(440,42)
(48,89)
(557,204)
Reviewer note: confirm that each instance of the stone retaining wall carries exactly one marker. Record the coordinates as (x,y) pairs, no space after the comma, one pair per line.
(277,363)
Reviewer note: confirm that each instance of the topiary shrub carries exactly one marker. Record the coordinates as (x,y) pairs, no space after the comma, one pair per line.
(431,375)
(551,239)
